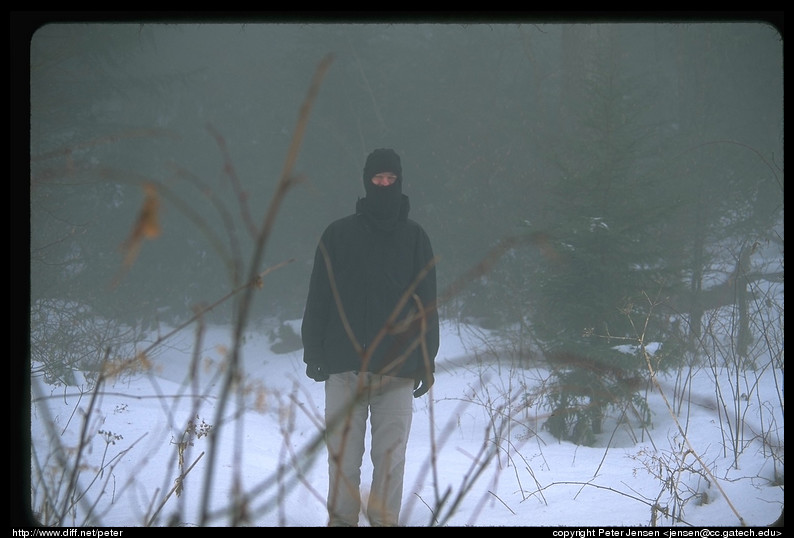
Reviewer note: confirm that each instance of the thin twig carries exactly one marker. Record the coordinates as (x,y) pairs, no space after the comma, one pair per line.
(286,182)
(177,484)
(501,501)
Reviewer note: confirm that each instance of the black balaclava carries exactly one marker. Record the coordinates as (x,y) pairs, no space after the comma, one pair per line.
(383,203)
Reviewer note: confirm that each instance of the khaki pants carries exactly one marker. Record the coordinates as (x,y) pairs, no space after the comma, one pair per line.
(388,401)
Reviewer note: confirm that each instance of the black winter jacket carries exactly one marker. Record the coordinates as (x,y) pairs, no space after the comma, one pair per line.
(371,269)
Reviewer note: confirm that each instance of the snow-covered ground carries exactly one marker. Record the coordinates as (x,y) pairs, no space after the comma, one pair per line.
(478,455)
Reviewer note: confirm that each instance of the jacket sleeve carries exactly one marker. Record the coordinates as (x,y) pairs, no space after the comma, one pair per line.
(426,290)
(315,315)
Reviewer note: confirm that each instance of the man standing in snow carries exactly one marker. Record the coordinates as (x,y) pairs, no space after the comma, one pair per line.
(370,331)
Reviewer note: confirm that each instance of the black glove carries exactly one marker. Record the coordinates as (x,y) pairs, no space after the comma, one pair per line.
(423,384)
(316,372)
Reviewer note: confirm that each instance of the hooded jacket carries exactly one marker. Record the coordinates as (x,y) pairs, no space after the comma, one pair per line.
(372,262)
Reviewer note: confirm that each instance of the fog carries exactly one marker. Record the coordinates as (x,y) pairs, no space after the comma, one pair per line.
(495,124)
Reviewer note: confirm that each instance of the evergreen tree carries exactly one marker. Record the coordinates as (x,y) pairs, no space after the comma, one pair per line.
(593,292)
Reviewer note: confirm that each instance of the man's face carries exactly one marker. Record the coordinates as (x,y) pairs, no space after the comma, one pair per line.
(384,179)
